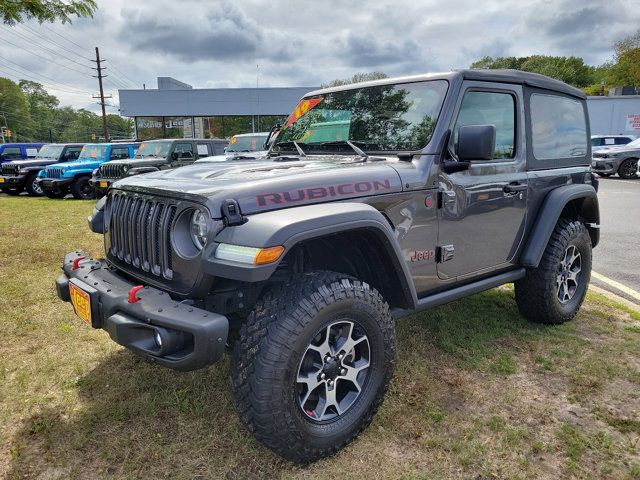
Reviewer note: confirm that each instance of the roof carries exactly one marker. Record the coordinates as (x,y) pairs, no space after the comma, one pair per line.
(251,134)
(187,138)
(502,76)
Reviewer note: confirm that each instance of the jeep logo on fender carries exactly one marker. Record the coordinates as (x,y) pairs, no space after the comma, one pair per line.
(316,193)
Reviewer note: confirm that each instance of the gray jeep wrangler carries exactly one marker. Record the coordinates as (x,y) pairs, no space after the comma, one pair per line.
(379,200)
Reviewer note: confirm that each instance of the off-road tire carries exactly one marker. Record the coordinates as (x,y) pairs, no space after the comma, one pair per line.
(269,349)
(57,195)
(606,175)
(537,293)
(81,189)
(628,169)
(13,191)
(31,186)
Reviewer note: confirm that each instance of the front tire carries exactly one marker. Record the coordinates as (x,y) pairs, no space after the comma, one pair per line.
(628,169)
(553,292)
(33,188)
(312,364)
(81,189)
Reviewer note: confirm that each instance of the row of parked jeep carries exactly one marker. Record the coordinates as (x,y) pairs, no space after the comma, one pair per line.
(87,170)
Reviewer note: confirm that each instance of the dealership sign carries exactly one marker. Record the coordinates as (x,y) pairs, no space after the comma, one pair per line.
(633,122)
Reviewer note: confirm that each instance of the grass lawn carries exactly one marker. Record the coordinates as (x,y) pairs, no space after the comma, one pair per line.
(478,392)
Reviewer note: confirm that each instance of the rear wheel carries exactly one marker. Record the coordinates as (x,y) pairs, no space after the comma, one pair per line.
(82,189)
(553,292)
(33,188)
(58,194)
(628,168)
(312,363)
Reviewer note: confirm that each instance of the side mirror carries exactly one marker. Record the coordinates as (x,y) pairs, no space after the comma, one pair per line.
(476,142)
(174,156)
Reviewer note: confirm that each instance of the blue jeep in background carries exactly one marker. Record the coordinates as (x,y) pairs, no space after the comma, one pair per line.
(57,180)
(18,151)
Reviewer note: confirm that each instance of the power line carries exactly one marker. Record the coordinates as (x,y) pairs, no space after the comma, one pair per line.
(21,76)
(65,38)
(45,58)
(30,74)
(48,39)
(48,49)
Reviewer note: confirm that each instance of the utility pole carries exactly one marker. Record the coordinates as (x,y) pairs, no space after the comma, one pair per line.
(100,76)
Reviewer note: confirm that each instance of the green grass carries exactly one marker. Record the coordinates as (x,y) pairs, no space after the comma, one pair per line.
(478,392)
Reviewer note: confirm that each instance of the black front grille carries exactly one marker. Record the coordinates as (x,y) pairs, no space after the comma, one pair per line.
(108,170)
(8,169)
(140,232)
(53,172)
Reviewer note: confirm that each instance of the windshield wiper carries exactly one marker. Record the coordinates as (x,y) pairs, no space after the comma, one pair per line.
(354,147)
(295,144)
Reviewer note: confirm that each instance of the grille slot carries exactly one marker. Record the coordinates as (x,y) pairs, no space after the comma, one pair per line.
(7,169)
(140,233)
(108,170)
(53,172)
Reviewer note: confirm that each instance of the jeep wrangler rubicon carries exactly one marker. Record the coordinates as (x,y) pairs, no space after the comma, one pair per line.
(380,199)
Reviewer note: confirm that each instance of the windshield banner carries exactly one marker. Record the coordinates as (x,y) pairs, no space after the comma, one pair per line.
(303,107)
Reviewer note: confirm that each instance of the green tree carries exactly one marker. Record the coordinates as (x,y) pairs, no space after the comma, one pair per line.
(42,107)
(571,70)
(14,108)
(17,11)
(357,78)
(626,69)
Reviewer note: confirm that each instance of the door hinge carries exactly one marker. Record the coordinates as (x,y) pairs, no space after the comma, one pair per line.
(231,213)
(446,196)
(445,253)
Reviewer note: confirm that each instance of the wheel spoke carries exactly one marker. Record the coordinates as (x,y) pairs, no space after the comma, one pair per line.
(324,348)
(352,373)
(330,401)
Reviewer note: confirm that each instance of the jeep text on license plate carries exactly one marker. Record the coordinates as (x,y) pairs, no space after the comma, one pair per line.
(81,302)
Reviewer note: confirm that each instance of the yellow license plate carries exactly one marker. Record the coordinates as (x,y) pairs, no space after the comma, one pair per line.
(1,180)
(104,184)
(81,302)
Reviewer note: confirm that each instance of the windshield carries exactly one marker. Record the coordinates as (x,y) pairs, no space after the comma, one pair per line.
(635,143)
(246,143)
(379,118)
(91,152)
(153,149)
(51,151)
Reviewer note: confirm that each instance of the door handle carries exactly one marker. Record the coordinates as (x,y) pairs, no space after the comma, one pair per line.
(514,187)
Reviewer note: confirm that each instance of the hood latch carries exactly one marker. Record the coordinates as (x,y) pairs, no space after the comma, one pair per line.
(231,213)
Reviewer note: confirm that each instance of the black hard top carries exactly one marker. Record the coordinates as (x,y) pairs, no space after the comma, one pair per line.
(502,76)
(80,144)
(186,140)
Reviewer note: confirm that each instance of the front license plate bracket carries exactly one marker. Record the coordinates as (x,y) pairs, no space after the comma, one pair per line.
(92,294)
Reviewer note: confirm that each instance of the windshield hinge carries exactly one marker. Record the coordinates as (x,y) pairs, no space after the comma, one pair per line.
(231,213)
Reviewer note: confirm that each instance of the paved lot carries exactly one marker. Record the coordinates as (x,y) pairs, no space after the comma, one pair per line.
(617,257)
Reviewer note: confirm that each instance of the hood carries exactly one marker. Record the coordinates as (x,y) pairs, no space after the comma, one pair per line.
(617,149)
(35,162)
(270,185)
(235,156)
(80,164)
(138,162)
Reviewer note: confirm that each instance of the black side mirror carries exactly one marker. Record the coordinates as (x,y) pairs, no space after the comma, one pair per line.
(476,142)
(174,156)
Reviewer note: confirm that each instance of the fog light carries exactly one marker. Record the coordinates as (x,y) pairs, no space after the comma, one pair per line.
(158,338)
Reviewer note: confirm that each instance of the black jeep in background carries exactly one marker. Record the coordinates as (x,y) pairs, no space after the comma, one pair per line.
(20,175)
(378,200)
(154,155)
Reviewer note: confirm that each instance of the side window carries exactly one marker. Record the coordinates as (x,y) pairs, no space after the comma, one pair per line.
(72,153)
(609,141)
(12,152)
(203,149)
(118,153)
(32,152)
(184,150)
(218,148)
(597,142)
(622,140)
(490,108)
(558,127)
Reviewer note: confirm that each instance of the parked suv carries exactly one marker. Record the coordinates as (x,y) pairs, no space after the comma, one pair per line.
(19,175)
(57,180)
(622,160)
(18,151)
(156,155)
(445,185)
(599,142)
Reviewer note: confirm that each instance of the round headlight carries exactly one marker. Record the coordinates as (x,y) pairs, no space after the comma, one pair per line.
(125,168)
(62,170)
(199,229)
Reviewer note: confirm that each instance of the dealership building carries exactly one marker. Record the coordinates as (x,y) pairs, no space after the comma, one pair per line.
(177,110)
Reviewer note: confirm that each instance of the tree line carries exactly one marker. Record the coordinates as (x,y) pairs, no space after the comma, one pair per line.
(32,114)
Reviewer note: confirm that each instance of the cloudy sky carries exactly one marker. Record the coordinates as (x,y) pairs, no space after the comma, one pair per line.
(218,43)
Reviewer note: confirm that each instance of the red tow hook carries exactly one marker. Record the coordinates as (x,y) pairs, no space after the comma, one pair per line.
(76,263)
(133,298)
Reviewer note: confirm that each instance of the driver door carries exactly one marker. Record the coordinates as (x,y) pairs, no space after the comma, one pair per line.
(482,209)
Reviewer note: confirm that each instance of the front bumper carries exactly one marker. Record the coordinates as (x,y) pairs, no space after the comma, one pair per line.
(12,181)
(192,338)
(54,184)
(101,185)
(609,165)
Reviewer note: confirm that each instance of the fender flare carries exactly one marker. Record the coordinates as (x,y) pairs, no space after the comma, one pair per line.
(292,226)
(548,216)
